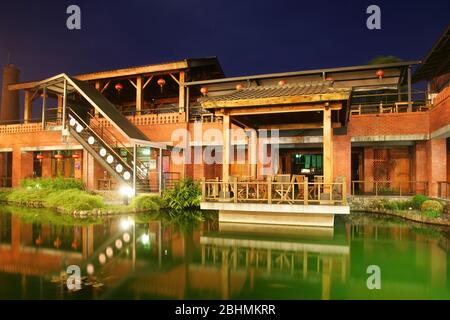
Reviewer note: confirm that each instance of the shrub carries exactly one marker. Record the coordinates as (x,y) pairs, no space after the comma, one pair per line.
(28,195)
(146,202)
(4,195)
(73,199)
(185,195)
(417,200)
(58,183)
(432,205)
(431,214)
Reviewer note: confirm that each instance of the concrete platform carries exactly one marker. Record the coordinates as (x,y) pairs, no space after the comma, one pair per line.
(276,214)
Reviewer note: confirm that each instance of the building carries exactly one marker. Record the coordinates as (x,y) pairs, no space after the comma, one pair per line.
(334,131)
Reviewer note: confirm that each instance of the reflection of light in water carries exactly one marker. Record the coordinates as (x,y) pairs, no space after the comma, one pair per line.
(126,237)
(109,252)
(165,252)
(118,244)
(90,268)
(102,258)
(145,239)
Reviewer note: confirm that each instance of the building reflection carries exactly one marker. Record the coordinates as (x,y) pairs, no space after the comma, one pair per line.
(228,261)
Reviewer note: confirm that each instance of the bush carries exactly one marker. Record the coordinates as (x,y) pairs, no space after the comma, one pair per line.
(418,200)
(432,205)
(185,195)
(4,194)
(73,199)
(431,214)
(28,195)
(146,202)
(52,183)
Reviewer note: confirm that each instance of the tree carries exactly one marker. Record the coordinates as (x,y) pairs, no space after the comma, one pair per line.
(384,59)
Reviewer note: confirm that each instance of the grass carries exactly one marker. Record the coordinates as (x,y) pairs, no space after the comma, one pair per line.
(146,202)
(73,199)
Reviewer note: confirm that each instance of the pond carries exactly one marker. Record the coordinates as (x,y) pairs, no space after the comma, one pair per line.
(145,258)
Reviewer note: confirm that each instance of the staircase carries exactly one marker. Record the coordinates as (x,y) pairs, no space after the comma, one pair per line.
(109,151)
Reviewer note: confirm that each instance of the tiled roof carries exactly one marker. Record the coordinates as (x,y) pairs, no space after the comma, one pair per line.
(278,91)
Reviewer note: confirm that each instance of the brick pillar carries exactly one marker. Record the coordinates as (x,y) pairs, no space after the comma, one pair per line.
(437,159)
(420,167)
(368,169)
(47,165)
(22,166)
(342,152)
(88,170)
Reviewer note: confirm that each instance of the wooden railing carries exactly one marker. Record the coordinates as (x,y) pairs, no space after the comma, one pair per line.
(271,192)
(150,119)
(389,188)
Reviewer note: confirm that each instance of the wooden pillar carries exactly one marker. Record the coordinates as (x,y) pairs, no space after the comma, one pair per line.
(44,106)
(97,87)
(139,95)
(59,106)
(182,96)
(327,146)
(226,148)
(27,107)
(253,152)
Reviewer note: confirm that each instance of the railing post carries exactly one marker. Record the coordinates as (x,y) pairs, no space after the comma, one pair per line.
(344,191)
(269,190)
(376,188)
(305,191)
(203,189)
(235,186)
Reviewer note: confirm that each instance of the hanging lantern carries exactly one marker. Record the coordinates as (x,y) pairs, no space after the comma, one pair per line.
(281,83)
(204,90)
(329,79)
(58,156)
(74,244)
(38,240)
(161,82)
(76,156)
(40,157)
(119,87)
(380,74)
(239,87)
(57,243)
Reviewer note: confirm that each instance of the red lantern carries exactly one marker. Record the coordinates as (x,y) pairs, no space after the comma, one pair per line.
(74,244)
(38,241)
(204,90)
(161,82)
(76,156)
(58,156)
(281,83)
(329,79)
(119,87)
(239,87)
(57,243)
(40,156)
(380,73)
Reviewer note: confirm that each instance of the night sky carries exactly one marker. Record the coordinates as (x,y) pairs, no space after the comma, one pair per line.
(248,37)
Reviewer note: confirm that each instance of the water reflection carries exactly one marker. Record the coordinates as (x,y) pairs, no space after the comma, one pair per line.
(144,258)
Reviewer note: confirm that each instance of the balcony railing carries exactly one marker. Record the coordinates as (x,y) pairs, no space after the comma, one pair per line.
(444,189)
(388,188)
(295,191)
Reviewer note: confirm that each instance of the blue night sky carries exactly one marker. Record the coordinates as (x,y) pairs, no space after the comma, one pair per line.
(248,37)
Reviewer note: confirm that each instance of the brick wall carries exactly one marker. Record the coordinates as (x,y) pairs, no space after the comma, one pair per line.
(342,152)
(440,114)
(437,160)
(389,124)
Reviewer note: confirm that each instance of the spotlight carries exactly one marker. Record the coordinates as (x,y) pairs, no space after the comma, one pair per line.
(91,140)
(109,252)
(119,168)
(79,128)
(127,175)
(110,159)
(118,244)
(72,122)
(102,258)
(126,237)
(103,152)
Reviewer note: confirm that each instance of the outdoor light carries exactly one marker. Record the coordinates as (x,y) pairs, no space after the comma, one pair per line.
(109,252)
(91,140)
(204,91)
(145,239)
(110,159)
(281,82)
(126,191)
(72,122)
(90,268)
(161,82)
(126,237)
(118,244)
(119,168)
(102,258)
(103,152)
(127,175)
(79,128)
(126,223)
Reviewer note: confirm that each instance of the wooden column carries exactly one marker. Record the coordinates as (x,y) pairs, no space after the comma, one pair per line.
(27,107)
(182,97)
(253,152)
(139,95)
(226,148)
(97,87)
(327,146)
(59,106)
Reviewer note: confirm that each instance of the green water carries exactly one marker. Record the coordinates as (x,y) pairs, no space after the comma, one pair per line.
(146,258)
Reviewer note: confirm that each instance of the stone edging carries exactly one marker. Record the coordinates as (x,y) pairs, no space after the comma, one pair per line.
(413,216)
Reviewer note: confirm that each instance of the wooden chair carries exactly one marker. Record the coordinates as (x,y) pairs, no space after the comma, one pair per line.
(299,179)
(284,188)
(401,106)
